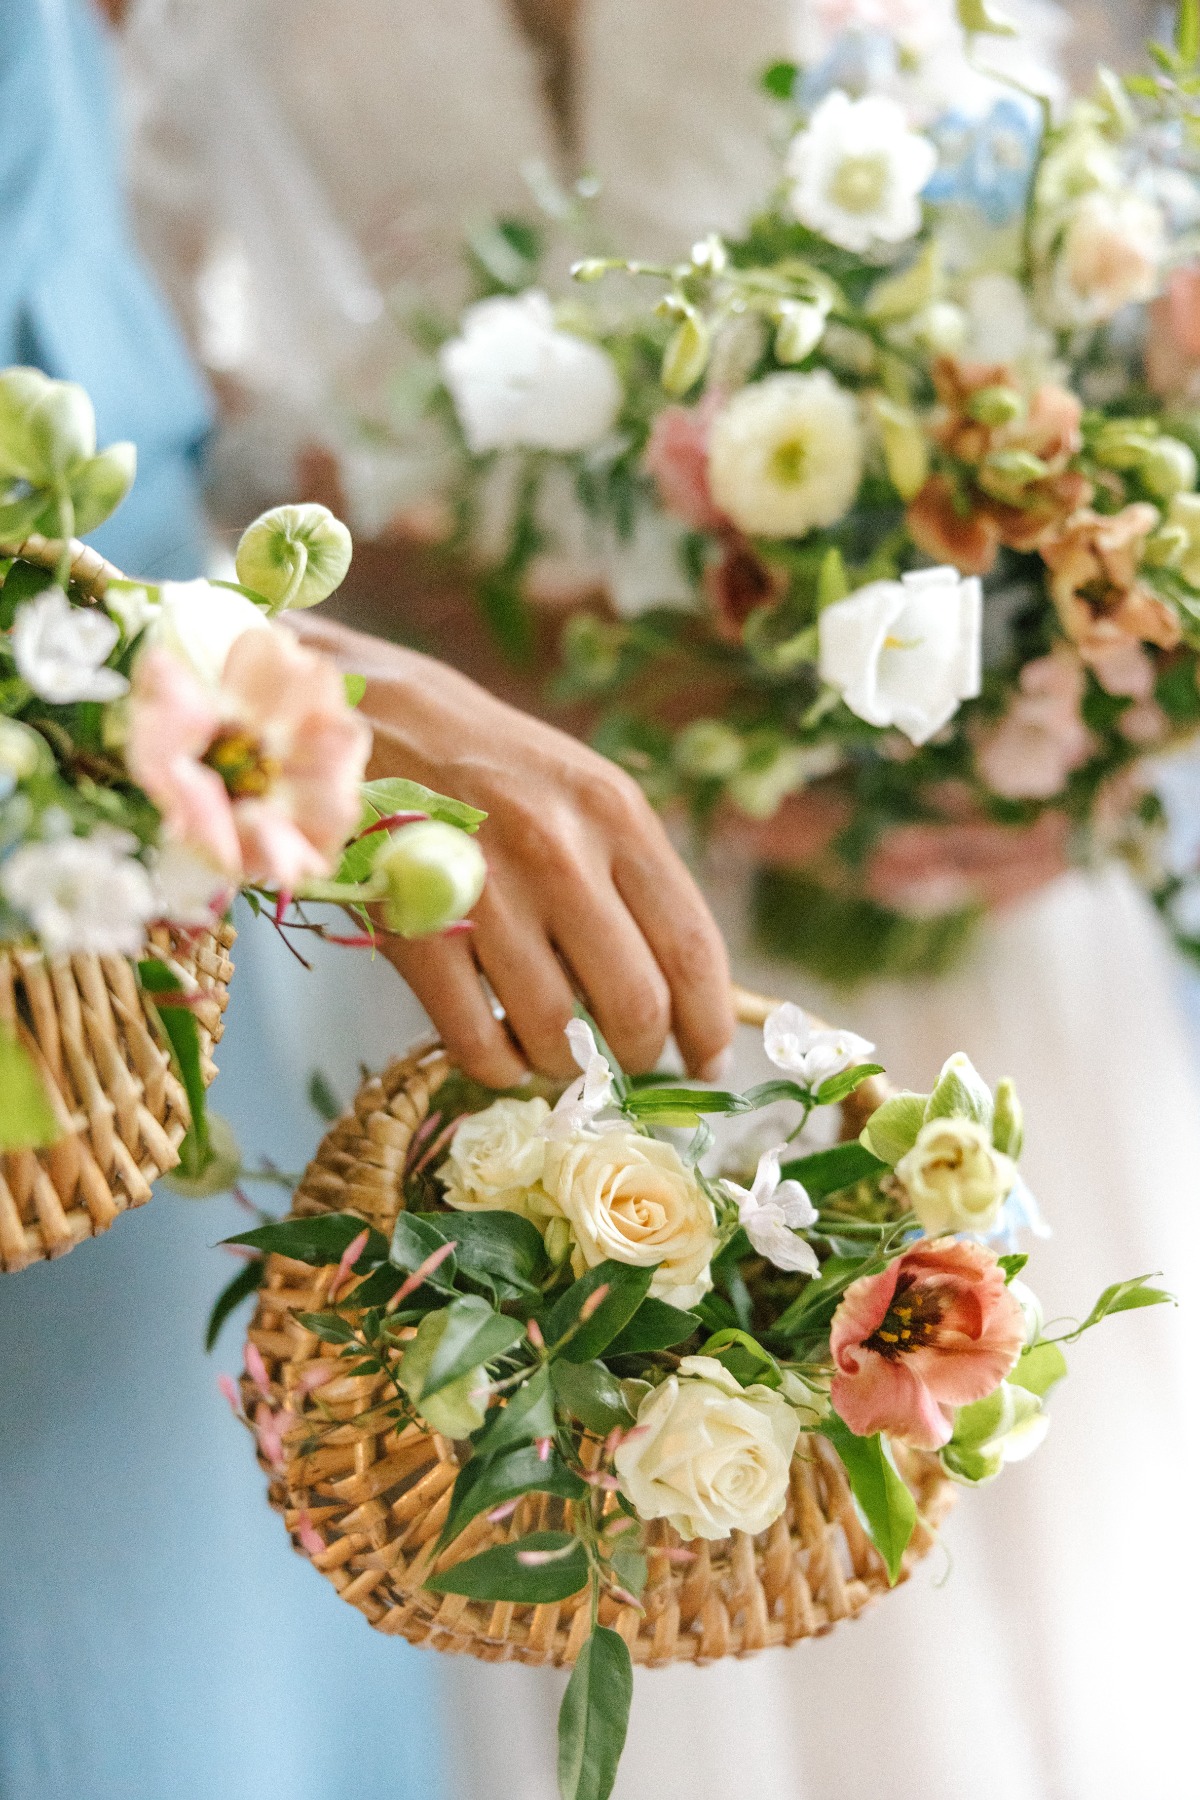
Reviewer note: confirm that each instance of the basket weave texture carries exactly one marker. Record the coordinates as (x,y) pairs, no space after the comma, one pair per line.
(378,1494)
(106,1068)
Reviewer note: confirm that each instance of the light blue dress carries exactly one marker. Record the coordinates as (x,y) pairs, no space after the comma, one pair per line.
(159,1640)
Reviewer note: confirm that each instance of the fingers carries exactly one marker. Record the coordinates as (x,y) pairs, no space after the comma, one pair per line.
(519,960)
(623,987)
(442,974)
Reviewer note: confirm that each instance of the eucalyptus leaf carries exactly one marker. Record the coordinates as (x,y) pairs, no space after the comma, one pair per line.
(888,1510)
(627,1288)
(499,1574)
(594,1717)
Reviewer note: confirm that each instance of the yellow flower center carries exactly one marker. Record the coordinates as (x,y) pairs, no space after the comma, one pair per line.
(242,763)
(860,183)
(789,460)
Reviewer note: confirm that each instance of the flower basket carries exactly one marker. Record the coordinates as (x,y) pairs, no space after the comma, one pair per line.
(369,1502)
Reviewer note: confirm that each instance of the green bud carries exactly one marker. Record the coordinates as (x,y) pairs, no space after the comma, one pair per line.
(22,753)
(20,389)
(62,428)
(591,268)
(221,1170)
(1124,443)
(1008,1120)
(710,255)
(893,1128)
(99,485)
(434,874)
(294,556)
(960,1092)
(799,331)
(559,1240)
(709,750)
(686,356)
(1006,472)
(460,1408)
(995,405)
(1168,469)
(905,447)
(1005,1427)
(1166,547)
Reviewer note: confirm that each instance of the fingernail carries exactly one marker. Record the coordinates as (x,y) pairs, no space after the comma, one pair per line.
(719,1068)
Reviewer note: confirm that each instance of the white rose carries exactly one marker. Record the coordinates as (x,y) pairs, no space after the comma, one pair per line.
(1111,256)
(709,1456)
(200,623)
(955,1178)
(786,454)
(857,172)
(496,1159)
(632,1199)
(515,379)
(908,652)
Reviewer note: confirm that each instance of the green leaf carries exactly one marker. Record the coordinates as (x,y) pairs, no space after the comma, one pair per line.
(1125,1296)
(829,1171)
(322,1098)
(247,1281)
(590,1394)
(488,1481)
(394,794)
(838,1086)
(1039,1368)
(680,1106)
(451,1342)
(356,687)
(499,1573)
(627,1288)
(888,1509)
(893,1128)
(27,1120)
(815,1305)
(328,1327)
(654,1326)
(1012,1266)
(1187,31)
(594,1717)
(318,1241)
(631,1565)
(527,1416)
(743,1356)
(500,1248)
(415,1237)
(833,583)
(183,1034)
(779,80)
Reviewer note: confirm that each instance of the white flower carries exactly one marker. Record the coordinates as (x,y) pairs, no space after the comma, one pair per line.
(908,652)
(496,1158)
(517,380)
(786,454)
(586,1098)
(189,890)
(644,570)
(857,172)
(955,1178)
(199,622)
(632,1199)
(1111,256)
(708,1455)
(82,894)
(770,1212)
(809,1053)
(60,650)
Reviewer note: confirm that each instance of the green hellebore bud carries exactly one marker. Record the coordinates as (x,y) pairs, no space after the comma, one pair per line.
(434,873)
(62,428)
(460,1407)
(708,749)
(1008,1120)
(960,1092)
(294,556)
(995,405)
(99,485)
(799,331)
(1168,469)
(893,1128)
(1006,472)
(1005,1427)
(686,356)
(1123,443)
(20,388)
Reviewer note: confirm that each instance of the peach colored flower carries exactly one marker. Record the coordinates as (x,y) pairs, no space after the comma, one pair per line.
(676,456)
(1173,341)
(259,777)
(1042,738)
(953,526)
(1144,724)
(1104,608)
(937,1329)
(956,383)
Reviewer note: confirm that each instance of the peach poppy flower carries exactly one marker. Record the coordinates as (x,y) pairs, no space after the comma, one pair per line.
(1093,562)
(937,1329)
(260,777)
(676,455)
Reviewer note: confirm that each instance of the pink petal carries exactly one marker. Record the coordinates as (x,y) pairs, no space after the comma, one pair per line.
(229,1388)
(274,850)
(350,1256)
(256,1368)
(887,1396)
(862,1310)
(310,1538)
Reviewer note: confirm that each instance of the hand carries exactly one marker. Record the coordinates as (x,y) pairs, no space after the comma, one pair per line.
(584,895)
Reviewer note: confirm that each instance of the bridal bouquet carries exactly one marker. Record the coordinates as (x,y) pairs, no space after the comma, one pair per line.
(894,496)
(163,746)
(581,1298)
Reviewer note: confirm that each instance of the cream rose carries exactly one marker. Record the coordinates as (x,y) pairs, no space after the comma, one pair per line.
(496,1160)
(709,1456)
(955,1179)
(632,1199)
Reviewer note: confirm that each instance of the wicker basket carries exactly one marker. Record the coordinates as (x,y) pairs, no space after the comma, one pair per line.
(378,1496)
(102,1057)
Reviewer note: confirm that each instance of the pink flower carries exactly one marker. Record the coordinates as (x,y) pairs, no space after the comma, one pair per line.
(936,1330)
(1173,342)
(1144,723)
(677,457)
(1042,738)
(260,777)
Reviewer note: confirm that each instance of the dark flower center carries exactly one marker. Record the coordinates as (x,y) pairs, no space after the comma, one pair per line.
(911,1321)
(242,763)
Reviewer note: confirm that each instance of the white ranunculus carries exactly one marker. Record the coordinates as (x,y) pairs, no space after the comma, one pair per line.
(810,1053)
(786,455)
(771,1210)
(857,172)
(516,380)
(632,1199)
(708,1455)
(1111,256)
(60,650)
(496,1159)
(955,1178)
(200,622)
(906,653)
(82,893)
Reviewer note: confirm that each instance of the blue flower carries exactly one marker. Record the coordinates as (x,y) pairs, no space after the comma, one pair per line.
(986,163)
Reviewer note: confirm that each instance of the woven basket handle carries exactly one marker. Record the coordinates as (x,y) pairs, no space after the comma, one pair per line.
(753,1009)
(90,571)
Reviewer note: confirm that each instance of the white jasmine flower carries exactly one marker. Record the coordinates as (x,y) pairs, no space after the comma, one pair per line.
(857,172)
(810,1053)
(771,1210)
(908,652)
(1111,256)
(82,894)
(189,890)
(586,1098)
(786,454)
(199,622)
(516,379)
(60,650)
